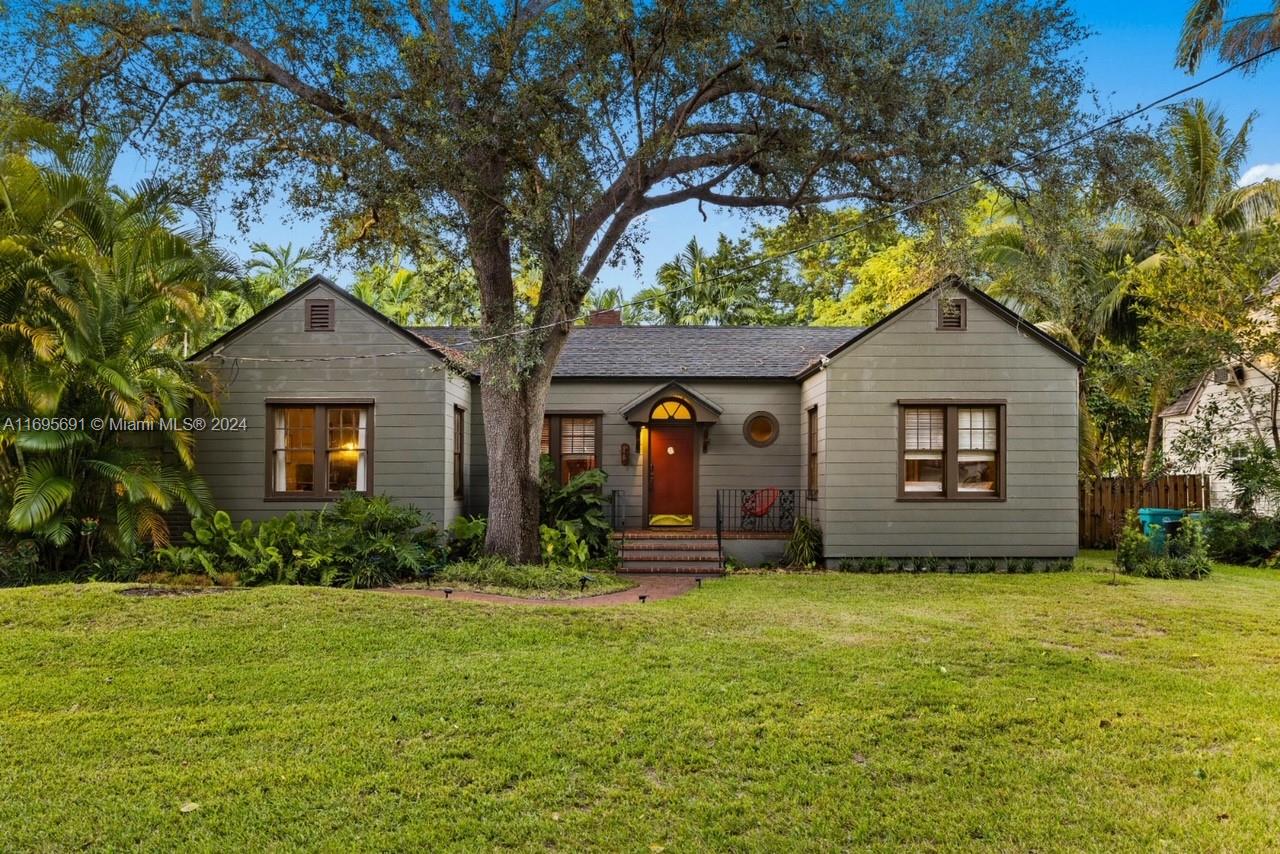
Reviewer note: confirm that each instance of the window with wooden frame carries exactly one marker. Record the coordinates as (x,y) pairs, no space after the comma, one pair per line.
(953,315)
(459,448)
(951,450)
(319,315)
(812,450)
(573,443)
(319,450)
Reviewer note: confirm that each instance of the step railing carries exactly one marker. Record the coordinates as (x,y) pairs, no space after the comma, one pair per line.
(618,519)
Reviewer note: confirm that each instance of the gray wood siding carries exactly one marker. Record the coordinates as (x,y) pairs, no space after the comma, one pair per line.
(457,393)
(478,488)
(408,412)
(729,461)
(910,358)
(813,392)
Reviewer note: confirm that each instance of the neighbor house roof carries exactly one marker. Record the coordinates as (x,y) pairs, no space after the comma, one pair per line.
(666,352)
(1183,404)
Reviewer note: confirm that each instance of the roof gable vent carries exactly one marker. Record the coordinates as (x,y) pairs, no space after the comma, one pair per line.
(951,314)
(319,314)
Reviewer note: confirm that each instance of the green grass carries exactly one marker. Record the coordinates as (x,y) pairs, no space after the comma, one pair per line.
(764,712)
(533,581)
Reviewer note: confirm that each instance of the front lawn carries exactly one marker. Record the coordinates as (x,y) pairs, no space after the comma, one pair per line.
(764,712)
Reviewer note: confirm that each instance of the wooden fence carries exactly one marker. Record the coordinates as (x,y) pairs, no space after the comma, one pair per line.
(1103,502)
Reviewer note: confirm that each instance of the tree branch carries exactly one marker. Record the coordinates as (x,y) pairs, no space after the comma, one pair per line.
(279,76)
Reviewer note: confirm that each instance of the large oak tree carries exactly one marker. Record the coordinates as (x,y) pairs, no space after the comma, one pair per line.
(536,134)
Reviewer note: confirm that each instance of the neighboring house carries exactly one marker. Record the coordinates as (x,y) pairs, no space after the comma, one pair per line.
(949,428)
(1235,402)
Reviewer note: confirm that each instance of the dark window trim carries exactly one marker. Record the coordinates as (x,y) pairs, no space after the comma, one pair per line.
(333,315)
(811,432)
(746,428)
(964,314)
(553,434)
(459,452)
(951,467)
(320,405)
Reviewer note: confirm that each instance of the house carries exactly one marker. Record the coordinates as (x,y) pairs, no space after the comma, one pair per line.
(1233,404)
(948,428)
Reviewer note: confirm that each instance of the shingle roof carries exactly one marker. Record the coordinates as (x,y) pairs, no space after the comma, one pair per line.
(1183,404)
(746,352)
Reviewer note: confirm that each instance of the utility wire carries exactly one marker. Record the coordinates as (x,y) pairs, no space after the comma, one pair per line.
(864,224)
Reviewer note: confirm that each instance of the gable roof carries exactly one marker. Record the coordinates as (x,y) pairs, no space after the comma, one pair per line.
(680,352)
(993,305)
(1182,405)
(296,294)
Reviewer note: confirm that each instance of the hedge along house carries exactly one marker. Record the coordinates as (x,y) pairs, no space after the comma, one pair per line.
(949,428)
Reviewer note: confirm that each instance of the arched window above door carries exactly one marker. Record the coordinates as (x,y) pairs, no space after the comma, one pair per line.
(671,410)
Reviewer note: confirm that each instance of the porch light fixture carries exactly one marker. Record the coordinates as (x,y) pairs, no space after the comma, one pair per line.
(626,454)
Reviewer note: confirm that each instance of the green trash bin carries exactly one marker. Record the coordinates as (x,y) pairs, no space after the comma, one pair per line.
(1166,522)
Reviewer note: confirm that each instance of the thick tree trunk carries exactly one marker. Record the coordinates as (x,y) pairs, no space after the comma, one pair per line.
(512,431)
(1153,434)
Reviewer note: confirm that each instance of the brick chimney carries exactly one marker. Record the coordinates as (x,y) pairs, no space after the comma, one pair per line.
(605,317)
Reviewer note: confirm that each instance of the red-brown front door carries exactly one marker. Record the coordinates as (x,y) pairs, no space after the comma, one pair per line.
(671,460)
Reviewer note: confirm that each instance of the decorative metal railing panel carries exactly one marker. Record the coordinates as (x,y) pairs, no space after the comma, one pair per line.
(766,509)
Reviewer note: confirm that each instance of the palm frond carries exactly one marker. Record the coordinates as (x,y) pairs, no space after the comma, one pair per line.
(41,490)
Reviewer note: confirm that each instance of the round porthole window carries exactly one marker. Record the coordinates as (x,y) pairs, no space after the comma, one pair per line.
(760,429)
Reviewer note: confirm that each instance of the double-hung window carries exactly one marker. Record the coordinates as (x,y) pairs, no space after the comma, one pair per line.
(951,450)
(572,442)
(318,450)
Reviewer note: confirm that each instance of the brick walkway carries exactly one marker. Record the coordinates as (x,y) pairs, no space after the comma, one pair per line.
(652,586)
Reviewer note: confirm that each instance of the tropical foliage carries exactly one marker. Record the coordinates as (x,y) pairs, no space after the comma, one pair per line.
(100,289)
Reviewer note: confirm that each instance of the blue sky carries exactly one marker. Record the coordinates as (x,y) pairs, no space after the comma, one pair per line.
(1129,60)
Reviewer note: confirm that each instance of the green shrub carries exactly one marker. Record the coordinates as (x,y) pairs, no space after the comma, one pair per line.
(928,563)
(494,572)
(849,564)
(563,546)
(466,537)
(19,562)
(1185,556)
(358,541)
(804,547)
(1241,538)
(1188,554)
(580,501)
(1133,549)
(985,564)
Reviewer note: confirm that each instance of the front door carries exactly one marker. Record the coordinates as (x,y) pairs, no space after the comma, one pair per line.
(671,461)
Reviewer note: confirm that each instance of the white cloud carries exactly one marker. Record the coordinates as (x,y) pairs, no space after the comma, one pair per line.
(1261,172)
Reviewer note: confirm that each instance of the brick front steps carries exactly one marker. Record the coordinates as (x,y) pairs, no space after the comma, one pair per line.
(682,551)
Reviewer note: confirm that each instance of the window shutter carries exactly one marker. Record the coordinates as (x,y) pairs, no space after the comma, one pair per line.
(319,315)
(951,314)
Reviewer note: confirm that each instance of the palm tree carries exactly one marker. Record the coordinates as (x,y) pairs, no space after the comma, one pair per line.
(1207,26)
(1196,173)
(693,289)
(396,291)
(97,287)
(272,271)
